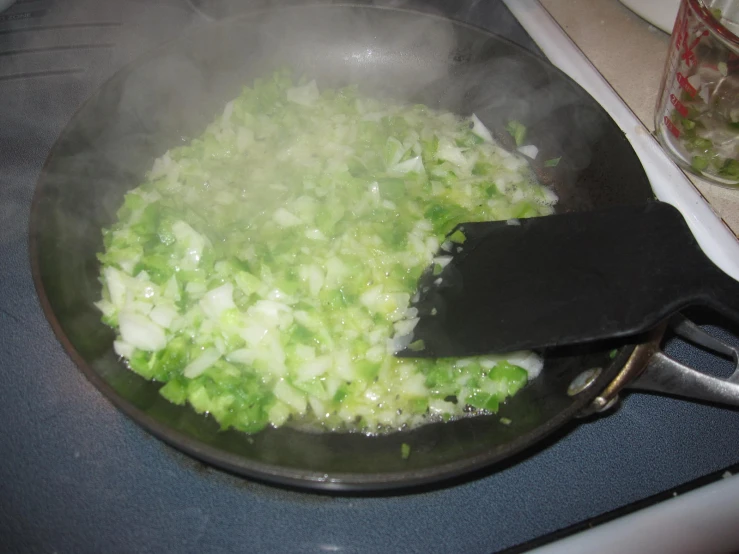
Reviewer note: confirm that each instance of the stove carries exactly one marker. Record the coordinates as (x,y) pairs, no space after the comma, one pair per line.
(78,476)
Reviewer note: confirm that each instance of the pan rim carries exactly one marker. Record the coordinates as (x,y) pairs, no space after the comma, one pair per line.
(281,475)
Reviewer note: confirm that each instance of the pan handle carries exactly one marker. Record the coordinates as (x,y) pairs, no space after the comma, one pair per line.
(665,375)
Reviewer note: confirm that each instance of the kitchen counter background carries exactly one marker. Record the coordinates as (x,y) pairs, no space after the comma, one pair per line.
(630,53)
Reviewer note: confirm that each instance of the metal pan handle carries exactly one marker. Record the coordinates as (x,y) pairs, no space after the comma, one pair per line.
(665,375)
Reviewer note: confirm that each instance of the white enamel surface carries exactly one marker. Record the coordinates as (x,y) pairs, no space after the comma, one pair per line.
(660,13)
(668,182)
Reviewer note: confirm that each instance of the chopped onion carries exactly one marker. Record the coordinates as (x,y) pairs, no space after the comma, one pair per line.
(443,261)
(307,95)
(122,348)
(478,127)
(217,300)
(285,218)
(529,151)
(201,363)
(141,332)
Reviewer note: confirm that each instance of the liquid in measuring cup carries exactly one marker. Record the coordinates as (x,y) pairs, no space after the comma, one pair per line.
(697,116)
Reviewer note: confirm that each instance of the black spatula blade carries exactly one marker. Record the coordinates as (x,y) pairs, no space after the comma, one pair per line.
(566,279)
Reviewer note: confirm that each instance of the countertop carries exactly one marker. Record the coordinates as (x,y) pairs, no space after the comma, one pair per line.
(630,53)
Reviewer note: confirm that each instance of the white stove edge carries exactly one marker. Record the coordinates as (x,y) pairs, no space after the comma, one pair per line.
(702,520)
(668,182)
(660,13)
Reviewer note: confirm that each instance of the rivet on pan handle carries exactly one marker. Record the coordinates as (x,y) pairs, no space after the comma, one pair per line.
(650,369)
(634,366)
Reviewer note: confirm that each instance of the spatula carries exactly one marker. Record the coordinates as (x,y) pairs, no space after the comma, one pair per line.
(565,279)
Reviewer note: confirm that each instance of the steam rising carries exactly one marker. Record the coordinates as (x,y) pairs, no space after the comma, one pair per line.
(388,53)
(171,94)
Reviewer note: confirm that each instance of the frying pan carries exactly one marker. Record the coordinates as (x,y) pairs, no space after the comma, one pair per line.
(171,94)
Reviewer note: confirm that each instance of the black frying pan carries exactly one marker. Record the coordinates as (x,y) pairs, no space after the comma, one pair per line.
(173,92)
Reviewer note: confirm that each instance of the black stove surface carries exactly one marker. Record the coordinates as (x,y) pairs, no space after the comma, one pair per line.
(77,476)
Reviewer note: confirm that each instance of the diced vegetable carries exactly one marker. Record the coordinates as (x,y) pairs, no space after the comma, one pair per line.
(263,271)
(699,110)
(518,131)
(529,150)
(405,450)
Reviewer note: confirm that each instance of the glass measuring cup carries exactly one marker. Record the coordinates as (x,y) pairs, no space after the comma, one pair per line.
(697,114)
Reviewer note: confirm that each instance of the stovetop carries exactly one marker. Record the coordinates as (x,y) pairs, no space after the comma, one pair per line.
(78,476)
